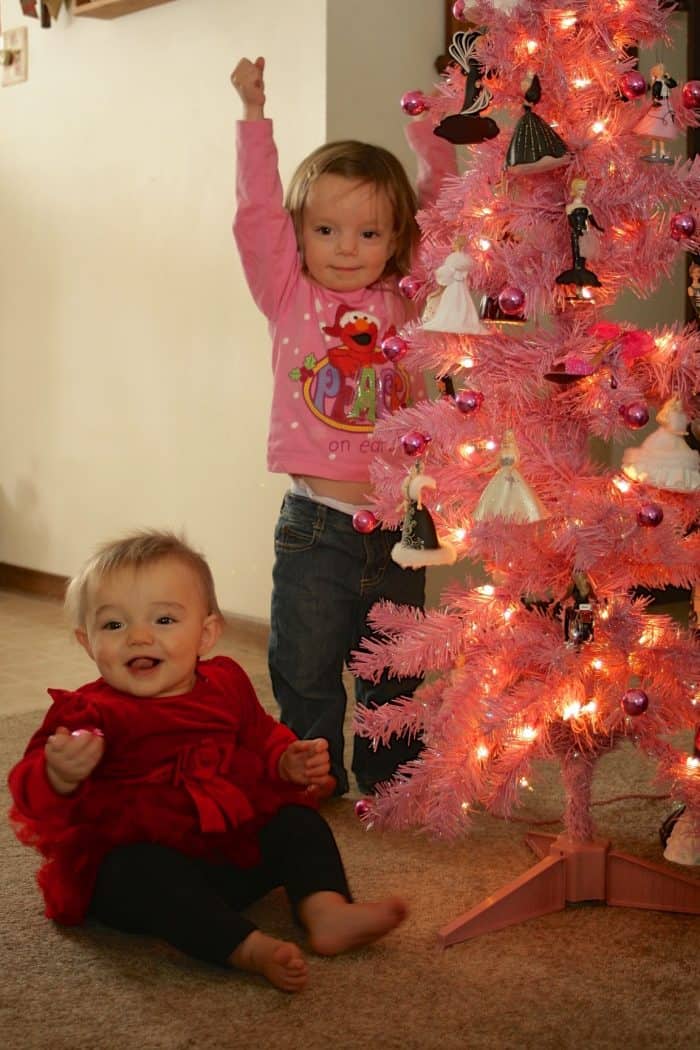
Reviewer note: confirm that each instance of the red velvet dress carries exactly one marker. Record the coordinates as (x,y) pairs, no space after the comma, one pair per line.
(196,772)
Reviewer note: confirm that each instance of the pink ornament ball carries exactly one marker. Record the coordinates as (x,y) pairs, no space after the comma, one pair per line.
(364,521)
(650,515)
(633,85)
(635,415)
(414,443)
(413,103)
(362,808)
(682,225)
(459,10)
(410,286)
(691,94)
(468,401)
(511,300)
(635,702)
(393,347)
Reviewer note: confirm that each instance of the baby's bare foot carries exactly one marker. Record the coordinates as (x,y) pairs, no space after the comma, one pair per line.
(336,925)
(281,962)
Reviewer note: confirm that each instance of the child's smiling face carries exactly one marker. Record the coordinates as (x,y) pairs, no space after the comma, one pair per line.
(146,626)
(347,232)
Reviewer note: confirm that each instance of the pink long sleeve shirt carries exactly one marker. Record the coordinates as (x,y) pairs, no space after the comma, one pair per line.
(331,381)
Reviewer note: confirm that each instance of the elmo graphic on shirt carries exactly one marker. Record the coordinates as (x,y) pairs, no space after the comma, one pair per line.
(357,348)
(354,384)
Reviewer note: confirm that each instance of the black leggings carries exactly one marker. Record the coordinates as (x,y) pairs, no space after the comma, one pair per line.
(194,905)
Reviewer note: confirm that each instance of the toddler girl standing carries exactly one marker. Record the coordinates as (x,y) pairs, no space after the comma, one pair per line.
(323,266)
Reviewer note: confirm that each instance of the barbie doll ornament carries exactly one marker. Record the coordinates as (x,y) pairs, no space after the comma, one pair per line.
(584,242)
(534,147)
(507,494)
(468,126)
(658,123)
(452,310)
(419,545)
(694,288)
(664,460)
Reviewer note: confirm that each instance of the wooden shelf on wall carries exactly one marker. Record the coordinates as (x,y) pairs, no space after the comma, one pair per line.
(112,8)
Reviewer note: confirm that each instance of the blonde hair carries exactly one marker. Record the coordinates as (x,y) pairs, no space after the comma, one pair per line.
(136,551)
(370,164)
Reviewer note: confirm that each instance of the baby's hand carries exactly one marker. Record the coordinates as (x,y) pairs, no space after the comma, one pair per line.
(306,762)
(71,757)
(247,78)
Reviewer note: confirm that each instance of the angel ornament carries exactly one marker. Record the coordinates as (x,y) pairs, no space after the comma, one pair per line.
(664,459)
(453,309)
(419,545)
(584,242)
(508,494)
(658,123)
(468,126)
(535,146)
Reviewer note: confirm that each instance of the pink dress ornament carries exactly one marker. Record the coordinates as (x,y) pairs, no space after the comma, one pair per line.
(664,460)
(507,494)
(453,310)
(658,123)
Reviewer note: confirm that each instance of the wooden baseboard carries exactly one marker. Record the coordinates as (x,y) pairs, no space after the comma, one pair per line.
(50,585)
(31,581)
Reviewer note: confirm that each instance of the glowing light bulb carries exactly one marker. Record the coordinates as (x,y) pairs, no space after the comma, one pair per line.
(508,614)
(490,445)
(467,362)
(459,534)
(524,782)
(482,752)
(590,708)
(571,710)
(484,243)
(598,127)
(466,450)
(465,806)
(621,484)
(488,590)
(597,665)
(568,20)
(531,46)
(527,733)
(581,82)
(693,763)
(486,211)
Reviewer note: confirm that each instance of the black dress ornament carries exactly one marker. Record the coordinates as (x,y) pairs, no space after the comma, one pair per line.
(580,220)
(468,126)
(419,545)
(535,146)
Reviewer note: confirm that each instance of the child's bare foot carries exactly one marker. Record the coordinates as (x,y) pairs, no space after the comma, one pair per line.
(281,962)
(336,925)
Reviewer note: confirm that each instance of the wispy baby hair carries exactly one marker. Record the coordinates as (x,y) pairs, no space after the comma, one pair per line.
(371,164)
(136,551)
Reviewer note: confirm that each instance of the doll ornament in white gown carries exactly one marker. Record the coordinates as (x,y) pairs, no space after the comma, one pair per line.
(664,460)
(453,309)
(508,494)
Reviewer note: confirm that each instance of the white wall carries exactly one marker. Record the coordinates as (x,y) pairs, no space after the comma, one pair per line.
(134,368)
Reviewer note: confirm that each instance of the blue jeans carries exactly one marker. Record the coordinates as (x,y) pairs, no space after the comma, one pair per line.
(326,578)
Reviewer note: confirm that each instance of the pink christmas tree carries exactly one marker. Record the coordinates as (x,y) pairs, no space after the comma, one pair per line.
(570,195)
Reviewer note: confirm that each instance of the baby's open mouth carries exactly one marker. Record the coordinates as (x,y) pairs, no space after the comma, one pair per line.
(142,663)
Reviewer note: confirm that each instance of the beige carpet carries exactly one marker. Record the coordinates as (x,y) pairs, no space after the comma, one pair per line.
(590,976)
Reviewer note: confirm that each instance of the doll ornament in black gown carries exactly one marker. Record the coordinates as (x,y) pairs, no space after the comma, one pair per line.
(583,239)
(468,126)
(535,146)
